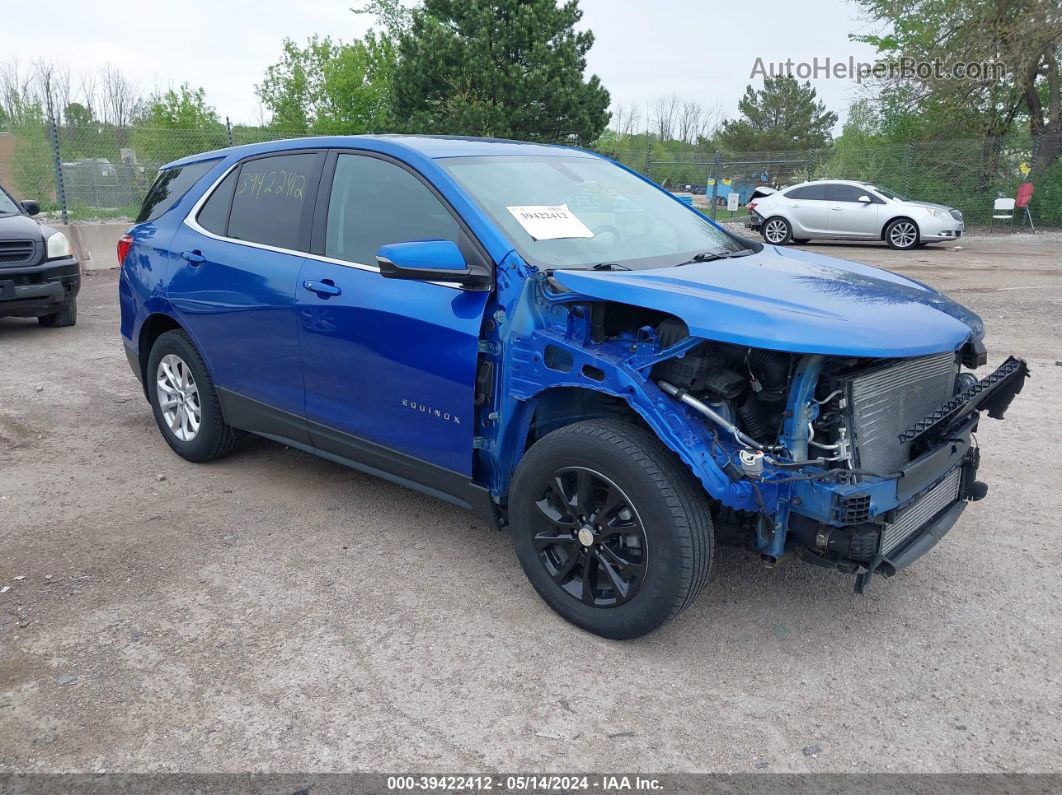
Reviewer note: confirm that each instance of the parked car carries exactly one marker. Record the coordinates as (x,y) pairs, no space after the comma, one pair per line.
(843,209)
(621,385)
(39,276)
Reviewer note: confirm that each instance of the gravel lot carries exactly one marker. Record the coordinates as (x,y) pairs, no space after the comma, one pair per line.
(276,612)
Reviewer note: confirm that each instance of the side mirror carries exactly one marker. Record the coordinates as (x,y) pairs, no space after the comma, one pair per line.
(31,207)
(864,199)
(425,260)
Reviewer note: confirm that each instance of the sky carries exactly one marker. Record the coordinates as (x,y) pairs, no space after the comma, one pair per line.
(643,48)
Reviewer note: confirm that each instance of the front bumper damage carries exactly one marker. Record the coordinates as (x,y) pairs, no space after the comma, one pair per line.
(882,525)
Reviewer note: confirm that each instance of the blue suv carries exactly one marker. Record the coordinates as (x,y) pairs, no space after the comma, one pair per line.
(545,337)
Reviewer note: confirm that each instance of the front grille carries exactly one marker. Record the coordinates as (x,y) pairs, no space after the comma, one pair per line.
(911,518)
(885,402)
(16,252)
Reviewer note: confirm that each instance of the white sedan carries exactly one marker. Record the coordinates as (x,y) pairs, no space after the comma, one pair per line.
(848,210)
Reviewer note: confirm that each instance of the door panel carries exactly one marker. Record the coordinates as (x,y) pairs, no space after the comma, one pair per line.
(239,305)
(391,362)
(850,217)
(809,211)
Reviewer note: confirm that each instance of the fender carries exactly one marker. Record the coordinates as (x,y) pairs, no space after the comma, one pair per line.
(545,339)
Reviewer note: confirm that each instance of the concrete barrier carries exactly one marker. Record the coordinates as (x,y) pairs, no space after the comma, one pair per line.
(95,244)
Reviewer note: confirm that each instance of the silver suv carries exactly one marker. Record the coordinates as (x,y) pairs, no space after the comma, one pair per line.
(852,210)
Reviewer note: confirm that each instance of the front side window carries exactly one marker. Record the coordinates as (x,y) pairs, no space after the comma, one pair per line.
(373,203)
(847,193)
(169,186)
(269,198)
(578,212)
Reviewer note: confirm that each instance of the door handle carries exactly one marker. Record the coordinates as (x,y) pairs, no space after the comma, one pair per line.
(837,209)
(194,258)
(323,288)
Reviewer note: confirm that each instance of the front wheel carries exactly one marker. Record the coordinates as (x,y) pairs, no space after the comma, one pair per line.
(611,529)
(777,231)
(901,234)
(66,316)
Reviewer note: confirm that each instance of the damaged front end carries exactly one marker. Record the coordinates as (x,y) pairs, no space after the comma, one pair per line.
(854,462)
(873,460)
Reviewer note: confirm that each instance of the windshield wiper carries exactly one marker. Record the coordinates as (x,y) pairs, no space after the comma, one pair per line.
(712,256)
(609,266)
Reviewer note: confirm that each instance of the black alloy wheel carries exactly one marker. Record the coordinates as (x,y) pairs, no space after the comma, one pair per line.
(589,538)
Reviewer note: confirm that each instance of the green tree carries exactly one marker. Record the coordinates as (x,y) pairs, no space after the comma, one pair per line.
(783,115)
(178,123)
(330,87)
(1024,36)
(508,68)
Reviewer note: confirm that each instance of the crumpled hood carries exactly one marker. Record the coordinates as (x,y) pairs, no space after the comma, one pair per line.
(790,300)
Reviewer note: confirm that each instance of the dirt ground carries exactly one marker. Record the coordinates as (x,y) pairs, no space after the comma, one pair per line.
(277,612)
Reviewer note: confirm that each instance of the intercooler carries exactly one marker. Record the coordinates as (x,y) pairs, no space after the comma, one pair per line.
(886,401)
(914,516)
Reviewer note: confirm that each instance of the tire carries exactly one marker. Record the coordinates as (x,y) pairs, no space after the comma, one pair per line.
(801,240)
(66,316)
(777,231)
(656,537)
(174,361)
(901,234)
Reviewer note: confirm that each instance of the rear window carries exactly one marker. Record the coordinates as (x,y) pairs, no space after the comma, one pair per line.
(270,198)
(169,186)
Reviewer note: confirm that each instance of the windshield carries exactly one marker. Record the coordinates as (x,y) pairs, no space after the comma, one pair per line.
(7,204)
(575,212)
(889,194)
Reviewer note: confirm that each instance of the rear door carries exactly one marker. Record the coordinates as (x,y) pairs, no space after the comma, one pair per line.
(389,365)
(808,210)
(237,267)
(849,216)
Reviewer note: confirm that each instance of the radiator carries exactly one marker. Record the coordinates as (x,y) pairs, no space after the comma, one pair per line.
(884,402)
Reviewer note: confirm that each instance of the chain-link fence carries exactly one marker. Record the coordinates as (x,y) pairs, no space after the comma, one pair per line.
(967,175)
(100,171)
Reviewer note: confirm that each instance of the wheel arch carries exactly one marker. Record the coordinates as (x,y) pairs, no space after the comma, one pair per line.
(153,327)
(888,223)
(560,405)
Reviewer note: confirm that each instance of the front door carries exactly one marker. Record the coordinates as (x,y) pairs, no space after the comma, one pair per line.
(235,280)
(850,217)
(389,365)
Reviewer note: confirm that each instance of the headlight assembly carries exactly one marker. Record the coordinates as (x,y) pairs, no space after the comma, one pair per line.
(58,246)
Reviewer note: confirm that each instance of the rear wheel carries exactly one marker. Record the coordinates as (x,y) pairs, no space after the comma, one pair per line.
(66,316)
(902,234)
(611,529)
(185,401)
(777,231)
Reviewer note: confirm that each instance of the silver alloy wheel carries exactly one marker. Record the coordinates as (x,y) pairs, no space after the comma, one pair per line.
(178,397)
(903,234)
(775,231)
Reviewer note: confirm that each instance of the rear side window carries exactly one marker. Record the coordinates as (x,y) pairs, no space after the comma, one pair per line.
(815,192)
(214,217)
(374,202)
(168,188)
(270,196)
(795,193)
